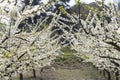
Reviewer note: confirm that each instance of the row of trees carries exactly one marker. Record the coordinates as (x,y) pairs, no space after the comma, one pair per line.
(32,35)
(24,44)
(98,40)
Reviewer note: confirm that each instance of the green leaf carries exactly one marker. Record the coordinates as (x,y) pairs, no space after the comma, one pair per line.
(32,48)
(7,55)
(85,56)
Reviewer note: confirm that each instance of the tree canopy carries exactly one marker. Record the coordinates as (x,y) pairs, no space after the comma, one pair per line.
(36,44)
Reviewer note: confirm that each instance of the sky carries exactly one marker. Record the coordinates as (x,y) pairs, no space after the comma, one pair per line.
(72,2)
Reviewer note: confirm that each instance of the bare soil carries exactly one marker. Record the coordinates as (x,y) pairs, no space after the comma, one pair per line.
(82,71)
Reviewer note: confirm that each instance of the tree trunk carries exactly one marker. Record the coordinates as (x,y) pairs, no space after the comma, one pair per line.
(21,76)
(108,75)
(34,73)
(117,75)
(10,77)
(101,72)
(41,70)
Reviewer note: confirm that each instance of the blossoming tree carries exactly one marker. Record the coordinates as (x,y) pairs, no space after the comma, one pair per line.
(97,41)
(21,50)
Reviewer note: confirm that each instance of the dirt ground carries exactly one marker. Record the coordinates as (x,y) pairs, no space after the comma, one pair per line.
(84,71)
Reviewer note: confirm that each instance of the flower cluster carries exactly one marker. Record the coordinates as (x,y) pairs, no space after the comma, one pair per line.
(98,40)
(23,51)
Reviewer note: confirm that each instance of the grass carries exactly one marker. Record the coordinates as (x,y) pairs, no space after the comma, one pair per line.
(67,58)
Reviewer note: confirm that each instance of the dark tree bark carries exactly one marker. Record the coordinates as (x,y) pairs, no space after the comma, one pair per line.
(117,75)
(41,70)
(34,73)
(21,76)
(10,77)
(108,74)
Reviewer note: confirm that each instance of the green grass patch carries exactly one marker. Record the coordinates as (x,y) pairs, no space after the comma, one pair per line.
(68,57)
